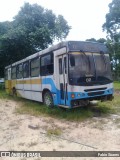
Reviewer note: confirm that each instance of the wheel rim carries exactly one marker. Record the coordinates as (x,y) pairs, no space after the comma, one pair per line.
(47,99)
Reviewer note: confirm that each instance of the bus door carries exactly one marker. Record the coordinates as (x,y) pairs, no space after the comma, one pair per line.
(62,61)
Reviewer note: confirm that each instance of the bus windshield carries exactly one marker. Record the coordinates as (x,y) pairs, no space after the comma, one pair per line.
(95,66)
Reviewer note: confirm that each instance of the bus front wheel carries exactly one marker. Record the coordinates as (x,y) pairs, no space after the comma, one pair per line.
(48,99)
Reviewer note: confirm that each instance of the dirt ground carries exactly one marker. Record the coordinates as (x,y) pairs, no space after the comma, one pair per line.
(28,133)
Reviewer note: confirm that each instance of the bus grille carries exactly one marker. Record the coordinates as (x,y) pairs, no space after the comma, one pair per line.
(95,89)
(95,93)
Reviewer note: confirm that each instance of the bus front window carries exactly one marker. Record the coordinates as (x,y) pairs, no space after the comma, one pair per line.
(95,66)
(83,66)
(103,68)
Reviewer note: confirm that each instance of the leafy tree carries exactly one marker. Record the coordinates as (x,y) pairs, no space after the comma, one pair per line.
(101,40)
(91,40)
(33,28)
(112,26)
(4,27)
(41,25)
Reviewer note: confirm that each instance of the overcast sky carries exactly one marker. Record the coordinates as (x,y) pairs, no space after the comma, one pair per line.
(86,17)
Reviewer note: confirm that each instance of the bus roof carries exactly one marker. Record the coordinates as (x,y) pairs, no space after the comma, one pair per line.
(87,46)
(84,46)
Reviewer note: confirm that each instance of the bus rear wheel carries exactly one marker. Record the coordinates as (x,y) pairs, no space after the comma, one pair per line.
(48,99)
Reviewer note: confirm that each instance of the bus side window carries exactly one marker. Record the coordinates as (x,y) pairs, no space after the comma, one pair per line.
(26,69)
(60,66)
(13,73)
(35,67)
(46,64)
(19,71)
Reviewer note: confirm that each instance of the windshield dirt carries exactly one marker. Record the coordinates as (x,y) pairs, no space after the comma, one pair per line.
(93,67)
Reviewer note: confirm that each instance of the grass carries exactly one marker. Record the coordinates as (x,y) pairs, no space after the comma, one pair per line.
(2,86)
(117,85)
(36,109)
(54,131)
(77,114)
(3,95)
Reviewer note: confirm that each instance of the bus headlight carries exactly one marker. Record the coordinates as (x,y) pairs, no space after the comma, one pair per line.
(72,95)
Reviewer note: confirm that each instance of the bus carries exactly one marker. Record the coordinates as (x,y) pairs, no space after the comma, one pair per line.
(69,74)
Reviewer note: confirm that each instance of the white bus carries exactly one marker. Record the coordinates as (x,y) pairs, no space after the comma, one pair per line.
(69,74)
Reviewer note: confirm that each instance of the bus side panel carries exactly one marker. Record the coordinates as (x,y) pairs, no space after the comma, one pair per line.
(36,93)
(27,88)
(13,85)
(48,83)
(8,86)
(19,87)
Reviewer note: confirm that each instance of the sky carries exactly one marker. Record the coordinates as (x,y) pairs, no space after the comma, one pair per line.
(86,17)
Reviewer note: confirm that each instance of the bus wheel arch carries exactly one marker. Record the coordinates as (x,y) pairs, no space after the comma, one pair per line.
(47,98)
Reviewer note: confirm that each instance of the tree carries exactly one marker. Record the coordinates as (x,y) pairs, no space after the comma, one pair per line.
(4,27)
(41,25)
(101,40)
(33,28)
(91,40)
(112,26)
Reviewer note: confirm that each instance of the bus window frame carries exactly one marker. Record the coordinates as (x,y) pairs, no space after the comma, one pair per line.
(46,73)
(17,71)
(14,72)
(28,69)
(35,58)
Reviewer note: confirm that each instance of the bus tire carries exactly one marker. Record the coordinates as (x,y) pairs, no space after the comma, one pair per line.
(48,99)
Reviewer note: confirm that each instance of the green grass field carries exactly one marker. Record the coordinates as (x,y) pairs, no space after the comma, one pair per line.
(117,85)
(2,86)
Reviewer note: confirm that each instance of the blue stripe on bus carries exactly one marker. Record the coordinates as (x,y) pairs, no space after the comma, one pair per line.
(78,95)
(55,92)
(50,82)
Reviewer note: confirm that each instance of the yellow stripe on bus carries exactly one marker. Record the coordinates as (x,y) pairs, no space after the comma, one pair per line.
(29,81)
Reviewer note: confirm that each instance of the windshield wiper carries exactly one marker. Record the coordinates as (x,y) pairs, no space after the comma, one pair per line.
(103,56)
(87,60)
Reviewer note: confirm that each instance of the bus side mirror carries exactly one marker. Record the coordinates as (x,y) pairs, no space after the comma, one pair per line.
(72,60)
